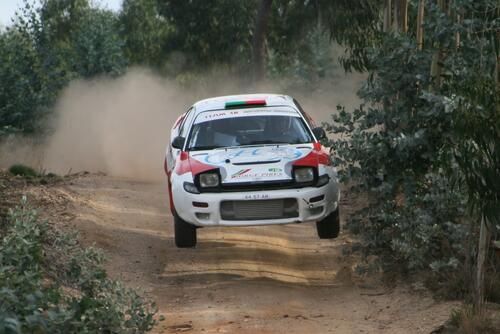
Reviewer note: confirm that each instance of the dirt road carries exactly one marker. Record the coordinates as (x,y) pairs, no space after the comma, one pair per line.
(279,279)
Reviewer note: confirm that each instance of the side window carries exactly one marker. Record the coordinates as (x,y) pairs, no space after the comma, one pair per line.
(306,116)
(183,128)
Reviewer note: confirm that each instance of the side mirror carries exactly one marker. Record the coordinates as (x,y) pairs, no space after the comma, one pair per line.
(178,142)
(319,133)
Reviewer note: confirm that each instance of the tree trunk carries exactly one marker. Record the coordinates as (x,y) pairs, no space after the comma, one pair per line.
(404,16)
(497,53)
(395,15)
(259,38)
(387,15)
(470,249)
(497,59)
(420,22)
(457,34)
(437,57)
(482,253)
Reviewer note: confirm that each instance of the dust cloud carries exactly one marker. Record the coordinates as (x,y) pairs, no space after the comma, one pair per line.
(121,126)
(116,126)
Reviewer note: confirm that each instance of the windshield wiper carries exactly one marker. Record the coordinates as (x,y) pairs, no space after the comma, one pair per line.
(266,142)
(203,148)
(252,143)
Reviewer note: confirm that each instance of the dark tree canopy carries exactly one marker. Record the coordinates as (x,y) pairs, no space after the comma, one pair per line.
(210,31)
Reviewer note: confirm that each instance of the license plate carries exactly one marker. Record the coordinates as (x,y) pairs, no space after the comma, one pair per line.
(257,196)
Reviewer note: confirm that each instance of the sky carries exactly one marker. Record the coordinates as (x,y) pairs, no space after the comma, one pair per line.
(8,7)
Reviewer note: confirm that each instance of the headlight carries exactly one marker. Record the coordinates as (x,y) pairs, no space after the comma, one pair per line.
(302,175)
(209,180)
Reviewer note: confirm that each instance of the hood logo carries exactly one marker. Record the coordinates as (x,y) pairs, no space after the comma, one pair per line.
(287,153)
(240,173)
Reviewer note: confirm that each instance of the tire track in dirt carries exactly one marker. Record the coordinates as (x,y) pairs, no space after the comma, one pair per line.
(269,279)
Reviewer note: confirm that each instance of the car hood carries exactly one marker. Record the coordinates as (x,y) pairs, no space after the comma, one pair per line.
(253,163)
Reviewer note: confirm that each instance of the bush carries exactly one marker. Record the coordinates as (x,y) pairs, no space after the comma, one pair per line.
(49,284)
(468,321)
(23,170)
(392,150)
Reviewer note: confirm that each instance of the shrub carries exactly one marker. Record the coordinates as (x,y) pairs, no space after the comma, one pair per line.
(23,170)
(424,145)
(49,284)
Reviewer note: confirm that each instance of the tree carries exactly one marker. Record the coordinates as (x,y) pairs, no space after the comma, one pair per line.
(259,37)
(45,48)
(60,18)
(145,32)
(425,145)
(23,84)
(97,45)
(209,32)
(355,25)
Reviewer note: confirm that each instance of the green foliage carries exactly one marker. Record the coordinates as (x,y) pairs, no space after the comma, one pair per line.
(97,45)
(355,26)
(52,42)
(44,49)
(145,32)
(52,285)
(290,23)
(351,24)
(311,62)
(22,170)
(426,148)
(60,18)
(209,32)
(23,83)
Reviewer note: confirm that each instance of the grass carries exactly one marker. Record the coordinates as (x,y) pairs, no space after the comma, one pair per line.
(469,321)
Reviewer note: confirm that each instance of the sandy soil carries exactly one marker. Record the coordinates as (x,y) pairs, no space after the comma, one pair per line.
(276,279)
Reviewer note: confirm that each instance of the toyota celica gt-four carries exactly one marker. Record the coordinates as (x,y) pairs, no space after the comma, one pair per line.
(249,160)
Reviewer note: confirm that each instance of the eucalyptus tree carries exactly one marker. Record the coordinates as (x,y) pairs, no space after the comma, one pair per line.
(425,143)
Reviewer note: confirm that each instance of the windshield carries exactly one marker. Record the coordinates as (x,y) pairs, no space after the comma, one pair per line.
(251,130)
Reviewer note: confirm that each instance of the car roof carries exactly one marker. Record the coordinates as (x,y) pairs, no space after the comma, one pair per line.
(218,103)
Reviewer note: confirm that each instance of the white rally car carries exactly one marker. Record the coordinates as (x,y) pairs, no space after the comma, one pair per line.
(249,160)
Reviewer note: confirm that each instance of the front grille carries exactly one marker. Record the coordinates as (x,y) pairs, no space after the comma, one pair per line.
(259,209)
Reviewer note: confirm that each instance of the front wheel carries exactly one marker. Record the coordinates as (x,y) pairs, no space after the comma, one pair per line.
(329,227)
(185,233)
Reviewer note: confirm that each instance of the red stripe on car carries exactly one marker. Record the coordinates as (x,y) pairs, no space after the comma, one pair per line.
(185,164)
(318,156)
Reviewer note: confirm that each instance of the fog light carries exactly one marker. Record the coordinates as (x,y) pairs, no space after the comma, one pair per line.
(322,180)
(202,215)
(191,188)
(316,211)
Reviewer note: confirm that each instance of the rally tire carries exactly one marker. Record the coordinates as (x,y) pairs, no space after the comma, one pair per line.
(329,227)
(185,233)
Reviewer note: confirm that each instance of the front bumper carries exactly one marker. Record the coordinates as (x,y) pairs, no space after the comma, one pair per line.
(211,216)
